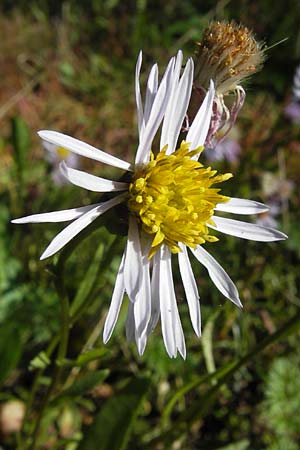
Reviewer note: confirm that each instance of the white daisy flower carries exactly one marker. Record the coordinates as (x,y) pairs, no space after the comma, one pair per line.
(171,210)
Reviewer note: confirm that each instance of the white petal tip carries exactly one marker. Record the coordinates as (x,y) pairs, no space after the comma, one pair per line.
(238,303)
(21,220)
(183,355)
(282,236)
(277,235)
(41,133)
(44,256)
(141,345)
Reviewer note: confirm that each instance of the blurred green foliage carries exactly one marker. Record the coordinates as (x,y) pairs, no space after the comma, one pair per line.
(280,408)
(70,66)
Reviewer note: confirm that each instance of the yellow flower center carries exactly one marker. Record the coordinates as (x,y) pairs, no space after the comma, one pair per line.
(173,198)
(62,152)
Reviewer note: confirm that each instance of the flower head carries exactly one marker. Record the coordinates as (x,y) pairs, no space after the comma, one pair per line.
(227,54)
(171,199)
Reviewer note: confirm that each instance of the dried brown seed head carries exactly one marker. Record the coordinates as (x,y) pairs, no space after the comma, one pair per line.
(228,53)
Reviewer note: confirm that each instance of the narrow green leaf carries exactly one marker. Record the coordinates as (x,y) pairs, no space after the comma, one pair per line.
(91,355)
(10,350)
(40,361)
(207,342)
(113,424)
(214,376)
(81,361)
(88,281)
(241,445)
(84,384)
(21,143)
(222,375)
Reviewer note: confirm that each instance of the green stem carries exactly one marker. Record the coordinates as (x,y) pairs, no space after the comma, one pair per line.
(67,322)
(222,375)
(50,349)
(75,316)
(89,344)
(62,349)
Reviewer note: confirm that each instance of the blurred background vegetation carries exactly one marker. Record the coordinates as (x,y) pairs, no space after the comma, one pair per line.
(69,66)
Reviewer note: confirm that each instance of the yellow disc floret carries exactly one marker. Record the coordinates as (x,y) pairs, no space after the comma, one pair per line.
(173,198)
(62,152)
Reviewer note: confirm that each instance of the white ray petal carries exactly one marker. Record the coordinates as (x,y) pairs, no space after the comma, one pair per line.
(83,149)
(91,182)
(157,112)
(241,206)
(133,261)
(155,309)
(166,298)
(179,336)
(178,64)
(177,108)
(191,290)
(68,233)
(56,216)
(130,325)
(115,304)
(246,230)
(218,275)
(150,92)
(142,304)
(169,108)
(198,132)
(138,98)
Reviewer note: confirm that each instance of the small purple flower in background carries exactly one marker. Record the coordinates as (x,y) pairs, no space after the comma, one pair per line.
(277,192)
(228,149)
(296,87)
(55,155)
(267,219)
(292,110)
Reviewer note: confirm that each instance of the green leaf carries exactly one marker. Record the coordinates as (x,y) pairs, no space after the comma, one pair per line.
(88,281)
(21,143)
(207,342)
(84,384)
(41,361)
(214,376)
(10,350)
(241,445)
(221,376)
(113,424)
(91,355)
